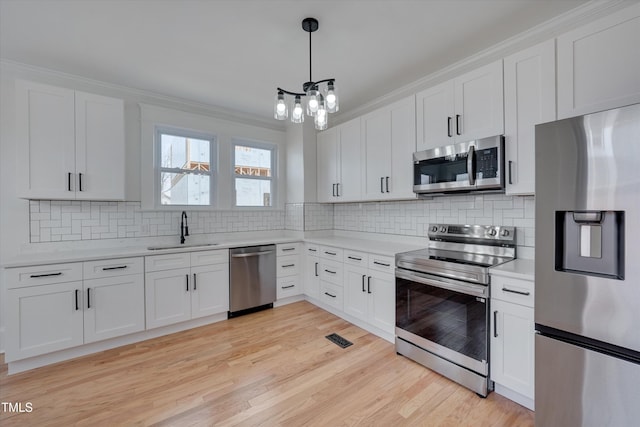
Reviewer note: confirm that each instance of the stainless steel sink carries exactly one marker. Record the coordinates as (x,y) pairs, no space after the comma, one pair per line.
(194,245)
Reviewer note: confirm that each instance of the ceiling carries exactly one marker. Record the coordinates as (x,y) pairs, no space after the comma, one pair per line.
(233,54)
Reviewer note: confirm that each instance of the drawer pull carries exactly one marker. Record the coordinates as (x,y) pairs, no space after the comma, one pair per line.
(88,297)
(384,264)
(35,276)
(330,253)
(329,271)
(287,287)
(311,250)
(288,265)
(194,281)
(288,249)
(316,268)
(516,292)
(329,295)
(120,267)
(76,294)
(495,324)
(354,258)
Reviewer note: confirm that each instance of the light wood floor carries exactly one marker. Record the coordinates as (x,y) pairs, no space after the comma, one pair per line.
(269,368)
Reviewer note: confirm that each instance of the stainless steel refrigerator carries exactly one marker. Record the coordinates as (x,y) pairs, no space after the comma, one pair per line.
(587,270)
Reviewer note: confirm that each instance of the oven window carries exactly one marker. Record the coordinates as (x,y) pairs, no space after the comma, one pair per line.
(443,169)
(451,319)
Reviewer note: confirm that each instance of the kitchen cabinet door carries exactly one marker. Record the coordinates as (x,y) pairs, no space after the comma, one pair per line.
(356,299)
(311,272)
(100,157)
(382,295)
(529,92)
(435,114)
(209,290)
(43,319)
(376,160)
(113,306)
(167,297)
(46,133)
(599,64)
(512,347)
(349,161)
(479,103)
(327,164)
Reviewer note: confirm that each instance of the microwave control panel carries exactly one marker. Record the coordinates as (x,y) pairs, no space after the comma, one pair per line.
(487,163)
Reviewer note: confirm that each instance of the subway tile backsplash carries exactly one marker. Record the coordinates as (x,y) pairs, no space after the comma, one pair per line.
(52,221)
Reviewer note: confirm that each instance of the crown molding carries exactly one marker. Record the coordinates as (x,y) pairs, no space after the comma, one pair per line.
(149,97)
(551,28)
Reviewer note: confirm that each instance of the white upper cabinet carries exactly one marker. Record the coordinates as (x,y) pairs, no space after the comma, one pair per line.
(389,140)
(529,99)
(468,107)
(72,144)
(338,161)
(599,64)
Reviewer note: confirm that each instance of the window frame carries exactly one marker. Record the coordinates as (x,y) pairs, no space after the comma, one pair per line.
(158,169)
(262,145)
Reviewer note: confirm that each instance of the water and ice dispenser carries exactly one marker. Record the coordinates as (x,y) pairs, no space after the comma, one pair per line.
(590,243)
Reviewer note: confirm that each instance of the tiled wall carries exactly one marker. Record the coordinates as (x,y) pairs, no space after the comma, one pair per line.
(318,216)
(53,221)
(411,218)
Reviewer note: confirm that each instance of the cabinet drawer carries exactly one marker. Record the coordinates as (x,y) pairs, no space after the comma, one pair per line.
(332,295)
(43,274)
(288,249)
(288,265)
(331,272)
(167,262)
(113,267)
(288,286)
(356,258)
(513,290)
(382,263)
(312,250)
(219,256)
(329,252)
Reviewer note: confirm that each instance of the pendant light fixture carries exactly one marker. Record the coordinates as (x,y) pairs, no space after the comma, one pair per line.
(318,103)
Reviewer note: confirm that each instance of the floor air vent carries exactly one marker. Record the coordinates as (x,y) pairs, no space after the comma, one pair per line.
(337,339)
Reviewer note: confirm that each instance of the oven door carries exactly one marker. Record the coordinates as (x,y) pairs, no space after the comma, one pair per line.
(445,317)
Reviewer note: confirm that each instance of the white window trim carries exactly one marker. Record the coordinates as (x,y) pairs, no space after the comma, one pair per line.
(213,166)
(274,172)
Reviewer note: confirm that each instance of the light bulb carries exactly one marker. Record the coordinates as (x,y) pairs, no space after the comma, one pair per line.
(331,98)
(313,102)
(280,110)
(297,115)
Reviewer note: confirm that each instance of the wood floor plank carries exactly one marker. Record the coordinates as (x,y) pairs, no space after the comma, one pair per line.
(271,368)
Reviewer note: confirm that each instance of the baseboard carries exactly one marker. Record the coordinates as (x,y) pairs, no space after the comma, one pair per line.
(515,396)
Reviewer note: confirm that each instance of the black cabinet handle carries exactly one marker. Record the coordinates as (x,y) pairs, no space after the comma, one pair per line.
(334,190)
(328,294)
(120,267)
(458,124)
(316,269)
(80,181)
(363,276)
(88,297)
(338,189)
(34,276)
(329,271)
(387,179)
(510,162)
(287,287)
(194,282)
(355,258)
(516,292)
(384,264)
(288,249)
(77,308)
(187,277)
(288,265)
(369,284)
(449,127)
(311,250)
(495,324)
(69,181)
(330,253)
(382,184)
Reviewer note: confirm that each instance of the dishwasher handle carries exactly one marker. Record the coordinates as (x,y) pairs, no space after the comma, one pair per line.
(251,254)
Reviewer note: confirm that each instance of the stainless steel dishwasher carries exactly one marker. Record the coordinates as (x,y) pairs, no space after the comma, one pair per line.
(252,279)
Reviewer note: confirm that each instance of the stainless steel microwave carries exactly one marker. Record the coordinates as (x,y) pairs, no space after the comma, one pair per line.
(469,166)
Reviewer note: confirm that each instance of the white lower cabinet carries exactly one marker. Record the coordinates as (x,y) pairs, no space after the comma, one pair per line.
(512,338)
(51,307)
(200,287)
(288,270)
(311,273)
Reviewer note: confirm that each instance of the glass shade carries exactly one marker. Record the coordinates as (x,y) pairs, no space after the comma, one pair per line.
(313,100)
(297,113)
(280,109)
(320,120)
(332,98)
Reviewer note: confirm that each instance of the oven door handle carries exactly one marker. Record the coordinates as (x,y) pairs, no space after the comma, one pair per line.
(467,288)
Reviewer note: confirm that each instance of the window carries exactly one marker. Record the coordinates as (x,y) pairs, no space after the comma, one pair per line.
(186,167)
(254,167)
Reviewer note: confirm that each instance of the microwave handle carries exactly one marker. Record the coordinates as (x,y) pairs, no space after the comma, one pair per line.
(471,165)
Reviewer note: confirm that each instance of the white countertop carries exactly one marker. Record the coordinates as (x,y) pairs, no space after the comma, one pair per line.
(380,247)
(518,268)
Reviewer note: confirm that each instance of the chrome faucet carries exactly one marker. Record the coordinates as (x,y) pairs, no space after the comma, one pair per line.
(184,227)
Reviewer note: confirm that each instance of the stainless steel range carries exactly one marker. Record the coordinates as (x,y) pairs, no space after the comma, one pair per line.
(442,300)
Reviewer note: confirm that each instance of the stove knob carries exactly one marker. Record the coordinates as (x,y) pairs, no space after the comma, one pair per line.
(434,228)
(492,232)
(504,233)
(443,229)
